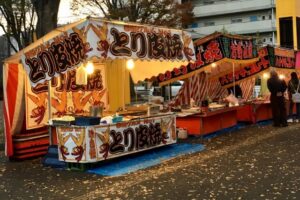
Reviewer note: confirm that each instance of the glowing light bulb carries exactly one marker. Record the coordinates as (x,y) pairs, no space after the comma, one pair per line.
(281,76)
(130,64)
(89,68)
(266,75)
(213,65)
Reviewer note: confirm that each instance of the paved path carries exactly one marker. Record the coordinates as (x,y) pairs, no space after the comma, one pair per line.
(251,163)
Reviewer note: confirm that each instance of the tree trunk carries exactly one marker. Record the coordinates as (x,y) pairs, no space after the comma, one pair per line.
(47,15)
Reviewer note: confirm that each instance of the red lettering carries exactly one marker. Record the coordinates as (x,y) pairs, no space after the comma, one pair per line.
(183,69)
(176,71)
(213,52)
(161,77)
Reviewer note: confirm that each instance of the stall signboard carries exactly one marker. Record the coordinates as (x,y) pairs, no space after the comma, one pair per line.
(238,48)
(247,71)
(96,143)
(282,58)
(212,50)
(105,40)
(268,57)
(67,97)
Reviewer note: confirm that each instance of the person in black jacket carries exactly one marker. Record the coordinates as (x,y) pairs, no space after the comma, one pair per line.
(293,87)
(277,88)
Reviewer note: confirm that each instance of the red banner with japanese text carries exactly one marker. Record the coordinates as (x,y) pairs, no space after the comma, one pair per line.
(212,49)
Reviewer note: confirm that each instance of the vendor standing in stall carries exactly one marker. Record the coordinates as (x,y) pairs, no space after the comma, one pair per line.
(277,88)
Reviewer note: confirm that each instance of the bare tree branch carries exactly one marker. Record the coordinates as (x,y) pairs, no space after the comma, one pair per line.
(14,24)
(158,12)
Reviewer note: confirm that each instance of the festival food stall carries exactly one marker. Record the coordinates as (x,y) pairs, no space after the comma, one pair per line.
(216,55)
(75,80)
(281,60)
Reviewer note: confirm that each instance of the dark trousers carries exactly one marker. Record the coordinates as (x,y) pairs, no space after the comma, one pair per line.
(278,111)
(291,110)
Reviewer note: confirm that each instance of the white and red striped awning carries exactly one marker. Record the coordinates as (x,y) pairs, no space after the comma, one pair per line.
(198,87)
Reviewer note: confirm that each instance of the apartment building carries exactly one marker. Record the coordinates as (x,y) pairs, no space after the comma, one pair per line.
(244,17)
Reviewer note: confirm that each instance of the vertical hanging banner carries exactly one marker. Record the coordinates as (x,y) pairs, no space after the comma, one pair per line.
(52,56)
(66,98)
(211,49)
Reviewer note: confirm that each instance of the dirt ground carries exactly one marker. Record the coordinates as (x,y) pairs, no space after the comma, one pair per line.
(255,162)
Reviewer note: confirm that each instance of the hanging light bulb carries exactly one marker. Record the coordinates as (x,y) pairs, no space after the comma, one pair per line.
(213,65)
(89,68)
(130,64)
(81,75)
(281,76)
(266,75)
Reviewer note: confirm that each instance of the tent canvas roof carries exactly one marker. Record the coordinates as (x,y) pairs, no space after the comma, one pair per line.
(139,42)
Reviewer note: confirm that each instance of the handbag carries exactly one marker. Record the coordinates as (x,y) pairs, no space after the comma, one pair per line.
(296,95)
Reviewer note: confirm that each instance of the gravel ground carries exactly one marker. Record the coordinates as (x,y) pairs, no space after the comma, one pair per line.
(257,162)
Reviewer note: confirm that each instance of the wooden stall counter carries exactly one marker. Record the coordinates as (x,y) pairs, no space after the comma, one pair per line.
(201,124)
(254,112)
(258,111)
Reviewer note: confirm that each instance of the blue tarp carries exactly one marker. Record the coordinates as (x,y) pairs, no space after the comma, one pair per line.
(146,159)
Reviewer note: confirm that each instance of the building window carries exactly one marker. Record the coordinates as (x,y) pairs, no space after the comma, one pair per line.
(209,23)
(205,2)
(263,17)
(286,32)
(271,39)
(253,18)
(270,16)
(238,20)
(194,25)
(264,40)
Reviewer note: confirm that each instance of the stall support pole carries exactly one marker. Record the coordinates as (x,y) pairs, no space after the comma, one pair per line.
(233,76)
(170,92)
(49,111)
(123,89)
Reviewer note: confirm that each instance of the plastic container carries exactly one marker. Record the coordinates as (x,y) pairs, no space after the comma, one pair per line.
(182,133)
(117,119)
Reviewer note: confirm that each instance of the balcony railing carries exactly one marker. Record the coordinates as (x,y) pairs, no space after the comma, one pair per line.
(237,28)
(228,7)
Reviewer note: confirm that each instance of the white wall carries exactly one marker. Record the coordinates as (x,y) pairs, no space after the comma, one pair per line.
(227,7)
